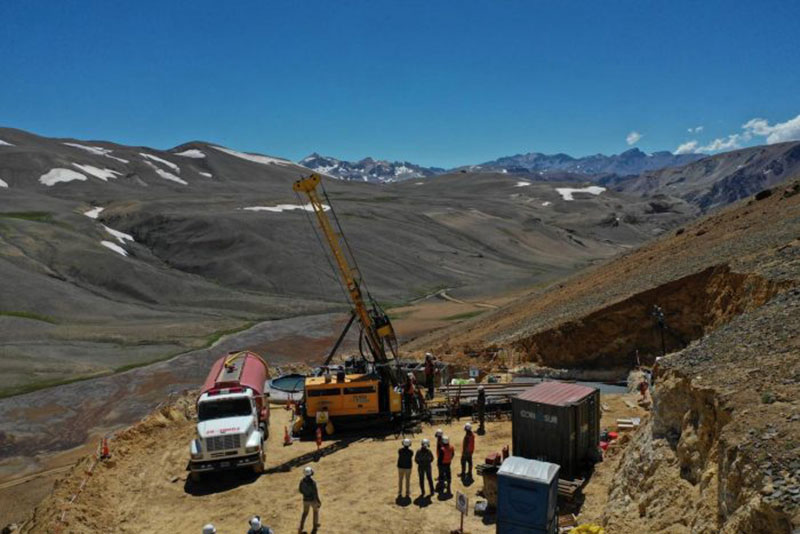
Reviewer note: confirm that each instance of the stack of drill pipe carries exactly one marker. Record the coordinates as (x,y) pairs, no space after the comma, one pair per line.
(492,391)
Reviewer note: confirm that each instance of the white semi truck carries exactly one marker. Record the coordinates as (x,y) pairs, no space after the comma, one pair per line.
(232,416)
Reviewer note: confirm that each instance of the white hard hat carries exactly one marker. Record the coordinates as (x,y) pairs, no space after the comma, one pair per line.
(308,471)
(255,522)
(426,443)
(480,388)
(468,427)
(439,432)
(445,440)
(410,375)
(406,442)
(209,529)
(429,355)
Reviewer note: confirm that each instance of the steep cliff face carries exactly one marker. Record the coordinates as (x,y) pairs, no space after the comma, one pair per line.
(720,453)
(613,336)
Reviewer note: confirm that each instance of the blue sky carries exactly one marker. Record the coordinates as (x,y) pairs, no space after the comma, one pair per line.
(437,83)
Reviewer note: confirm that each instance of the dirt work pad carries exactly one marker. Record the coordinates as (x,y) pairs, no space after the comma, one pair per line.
(144,487)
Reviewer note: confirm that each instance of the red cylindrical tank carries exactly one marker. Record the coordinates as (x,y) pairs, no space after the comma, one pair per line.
(237,369)
(242,369)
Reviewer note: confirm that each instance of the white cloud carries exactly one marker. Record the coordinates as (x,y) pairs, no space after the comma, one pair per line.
(633,137)
(687,148)
(731,142)
(777,133)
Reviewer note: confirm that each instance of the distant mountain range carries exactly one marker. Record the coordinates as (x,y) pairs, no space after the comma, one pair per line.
(717,180)
(632,161)
(368,169)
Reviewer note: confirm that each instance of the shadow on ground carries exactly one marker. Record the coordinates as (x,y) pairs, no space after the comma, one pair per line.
(313,456)
(219,482)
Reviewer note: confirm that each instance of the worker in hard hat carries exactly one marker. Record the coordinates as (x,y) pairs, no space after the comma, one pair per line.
(209,529)
(410,394)
(439,434)
(448,452)
(404,462)
(481,406)
(430,372)
(308,488)
(467,448)
(424,461)
(256,527)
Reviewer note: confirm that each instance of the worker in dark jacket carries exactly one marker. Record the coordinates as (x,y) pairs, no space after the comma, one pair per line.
(468,447)
(430,372)
(448,452)
(424,460)
(404,463)
(257,528)
(308,488)
(481,410)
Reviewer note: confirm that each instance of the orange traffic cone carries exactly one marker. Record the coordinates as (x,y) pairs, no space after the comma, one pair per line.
(287,439)
(319,437)
(105,452)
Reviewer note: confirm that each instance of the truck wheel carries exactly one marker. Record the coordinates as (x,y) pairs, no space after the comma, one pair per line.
(260,466)
(264,431)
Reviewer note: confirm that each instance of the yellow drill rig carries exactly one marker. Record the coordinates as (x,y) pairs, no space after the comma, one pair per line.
(376,393)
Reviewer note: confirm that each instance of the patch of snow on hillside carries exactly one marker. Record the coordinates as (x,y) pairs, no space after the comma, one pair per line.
(285,207)
(3,184)
(206,174)
(94,212)
(547,203)
(97,151)
(256,158)
(116,248)
(103,174)
(404,170)
(161,161)
(566,192)
(54,176)
(120,236)
(166,175)
(522,184)
(420,183)
(3,143)
(191,153)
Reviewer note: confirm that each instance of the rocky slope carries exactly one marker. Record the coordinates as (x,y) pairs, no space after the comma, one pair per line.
(720,453)
(756,240)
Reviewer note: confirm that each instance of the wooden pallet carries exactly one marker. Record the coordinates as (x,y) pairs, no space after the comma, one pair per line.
(569,488)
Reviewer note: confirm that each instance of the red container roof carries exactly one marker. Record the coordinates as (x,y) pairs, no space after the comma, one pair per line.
(556,393)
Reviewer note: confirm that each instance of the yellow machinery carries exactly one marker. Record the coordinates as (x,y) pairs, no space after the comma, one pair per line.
(377,393)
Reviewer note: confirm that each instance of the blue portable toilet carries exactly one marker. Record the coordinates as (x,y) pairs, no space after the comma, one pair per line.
(527,491)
